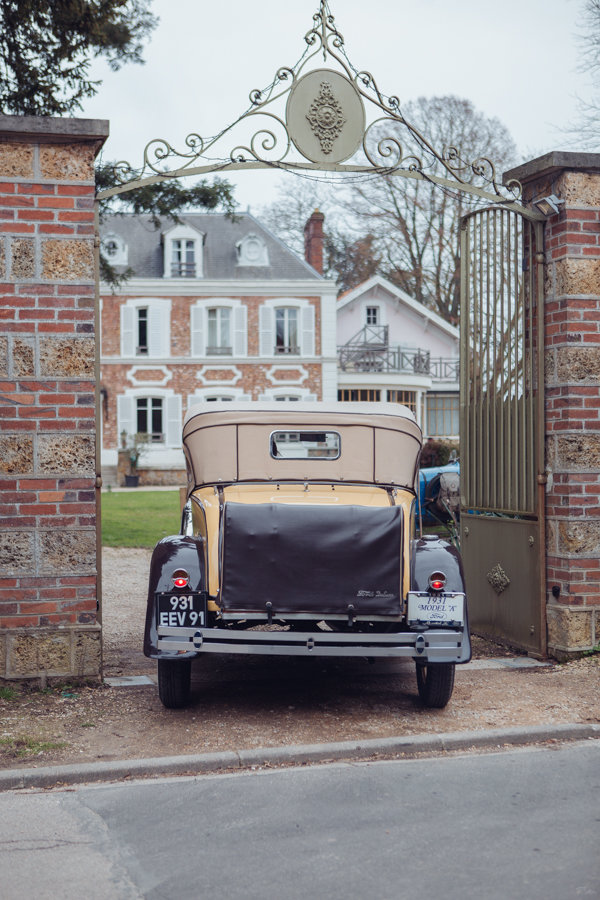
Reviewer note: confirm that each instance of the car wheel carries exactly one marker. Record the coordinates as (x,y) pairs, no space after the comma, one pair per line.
(174,680)
(435,682)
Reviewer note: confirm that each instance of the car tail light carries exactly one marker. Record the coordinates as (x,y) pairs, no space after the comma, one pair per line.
(181,579)
(437,581)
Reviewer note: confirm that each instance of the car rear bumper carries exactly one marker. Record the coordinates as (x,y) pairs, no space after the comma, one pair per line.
(430,645)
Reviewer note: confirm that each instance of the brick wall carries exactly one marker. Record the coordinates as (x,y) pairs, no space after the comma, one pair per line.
(572,363)
(48,560)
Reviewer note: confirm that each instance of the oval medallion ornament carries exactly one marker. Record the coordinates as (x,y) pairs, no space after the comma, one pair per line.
(325,116)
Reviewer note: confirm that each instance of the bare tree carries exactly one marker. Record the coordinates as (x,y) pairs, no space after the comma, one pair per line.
(586,129)
(405,229)
(415,223)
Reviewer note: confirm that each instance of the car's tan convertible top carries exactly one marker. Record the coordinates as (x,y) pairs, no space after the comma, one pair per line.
(231,442)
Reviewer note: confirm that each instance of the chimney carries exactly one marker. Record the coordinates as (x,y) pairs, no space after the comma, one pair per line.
(313,241)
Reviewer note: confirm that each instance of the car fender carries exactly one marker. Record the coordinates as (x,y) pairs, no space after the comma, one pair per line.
(176,551)
(429,554)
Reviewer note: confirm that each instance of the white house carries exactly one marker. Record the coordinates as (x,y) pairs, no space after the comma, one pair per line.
(392,348)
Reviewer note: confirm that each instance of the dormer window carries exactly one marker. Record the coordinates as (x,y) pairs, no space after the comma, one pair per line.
(114,250)
(252,251)
(182,248)
(183,259)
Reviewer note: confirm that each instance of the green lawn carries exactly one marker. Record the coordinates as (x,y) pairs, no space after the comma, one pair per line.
(139,518)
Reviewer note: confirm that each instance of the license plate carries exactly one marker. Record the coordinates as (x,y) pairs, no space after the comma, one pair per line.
(435,609)
(180,610)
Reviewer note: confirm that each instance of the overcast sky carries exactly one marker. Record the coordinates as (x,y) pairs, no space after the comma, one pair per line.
(516,60)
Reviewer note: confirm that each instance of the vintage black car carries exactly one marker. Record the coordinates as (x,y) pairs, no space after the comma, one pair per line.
(303,519)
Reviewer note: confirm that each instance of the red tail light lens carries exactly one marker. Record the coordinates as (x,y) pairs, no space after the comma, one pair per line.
(437,581)
(181,579)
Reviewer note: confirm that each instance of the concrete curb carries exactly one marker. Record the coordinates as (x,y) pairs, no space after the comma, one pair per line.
(87,773)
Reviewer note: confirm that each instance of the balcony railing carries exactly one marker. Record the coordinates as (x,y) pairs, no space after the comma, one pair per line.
(183,270)
(369,351)
(219,351)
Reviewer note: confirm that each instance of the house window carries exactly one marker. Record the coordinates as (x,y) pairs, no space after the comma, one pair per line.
(407,398)
(286,330)
(219,331)
(372,315)
(442,415)
(359,395)
(149,418)
(183,258)
(217,399)
(142,331)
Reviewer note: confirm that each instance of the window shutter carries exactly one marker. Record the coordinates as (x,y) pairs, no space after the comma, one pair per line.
(197,322)
(173,425)
(308,331)
(158,330)
(127,331)
(266,337)
(125,416)
(240,331)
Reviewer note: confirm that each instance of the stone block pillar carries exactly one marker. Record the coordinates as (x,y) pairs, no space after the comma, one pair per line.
(572,363)
(48,620)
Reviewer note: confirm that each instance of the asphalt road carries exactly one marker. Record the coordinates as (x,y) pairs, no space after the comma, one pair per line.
(495,826)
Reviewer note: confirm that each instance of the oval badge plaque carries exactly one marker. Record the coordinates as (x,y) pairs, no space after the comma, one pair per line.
(325,116)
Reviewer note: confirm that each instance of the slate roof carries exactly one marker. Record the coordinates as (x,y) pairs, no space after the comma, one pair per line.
(145,247)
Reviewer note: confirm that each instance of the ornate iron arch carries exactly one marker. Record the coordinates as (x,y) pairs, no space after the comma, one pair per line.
(315,118)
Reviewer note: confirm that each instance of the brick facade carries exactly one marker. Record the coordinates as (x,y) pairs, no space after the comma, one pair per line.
(48,567)
(572,363)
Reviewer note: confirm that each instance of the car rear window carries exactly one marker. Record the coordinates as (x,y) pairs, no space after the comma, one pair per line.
(305,445)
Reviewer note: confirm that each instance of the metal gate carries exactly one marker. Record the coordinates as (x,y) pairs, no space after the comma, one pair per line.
(502,425)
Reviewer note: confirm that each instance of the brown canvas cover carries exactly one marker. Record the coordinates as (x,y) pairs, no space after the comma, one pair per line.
(311,559)
(229,442)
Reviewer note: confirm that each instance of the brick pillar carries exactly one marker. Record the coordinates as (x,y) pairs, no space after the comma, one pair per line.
(572,362)
(313,241)
(48,625)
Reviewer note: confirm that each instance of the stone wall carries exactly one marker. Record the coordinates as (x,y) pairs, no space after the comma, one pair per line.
(572,363)
(48,571)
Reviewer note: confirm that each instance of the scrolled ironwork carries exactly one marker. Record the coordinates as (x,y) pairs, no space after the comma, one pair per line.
(268,141)
(272,145)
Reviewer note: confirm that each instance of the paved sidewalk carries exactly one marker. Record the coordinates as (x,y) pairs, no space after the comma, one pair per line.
(203,764)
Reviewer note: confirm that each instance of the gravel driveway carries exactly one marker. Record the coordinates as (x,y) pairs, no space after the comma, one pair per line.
(249,702)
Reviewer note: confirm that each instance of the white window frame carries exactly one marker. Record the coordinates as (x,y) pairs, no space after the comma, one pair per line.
(172,413)
(452,412)
(285,393)
(252,251)
(224,393)
(306,327)
(159,327)
(183,233)
(377,310)
(120,256)
(238,325)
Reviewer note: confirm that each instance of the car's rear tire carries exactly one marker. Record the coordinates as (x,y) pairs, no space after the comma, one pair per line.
(435,682)
(174,681)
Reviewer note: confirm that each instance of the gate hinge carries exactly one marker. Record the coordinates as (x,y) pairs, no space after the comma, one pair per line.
(542,478)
